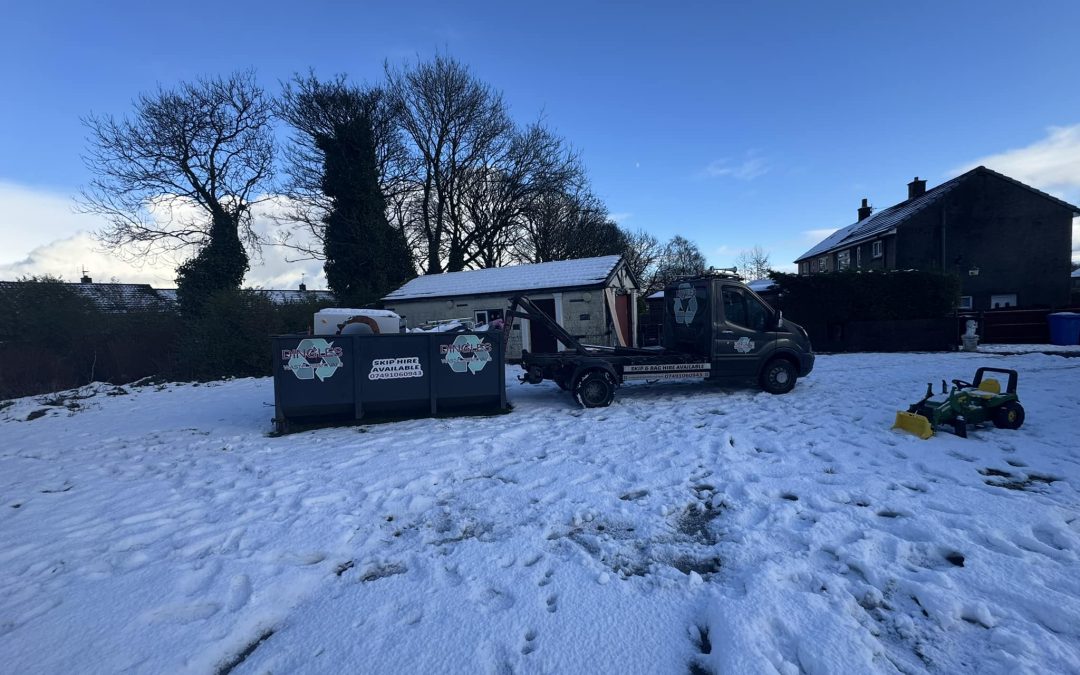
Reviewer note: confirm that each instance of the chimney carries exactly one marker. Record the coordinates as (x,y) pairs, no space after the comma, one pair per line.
(916,188)
(865,210)
(85,278)
(303,286)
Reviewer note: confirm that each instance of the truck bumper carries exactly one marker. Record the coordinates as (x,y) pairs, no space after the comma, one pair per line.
(806,364)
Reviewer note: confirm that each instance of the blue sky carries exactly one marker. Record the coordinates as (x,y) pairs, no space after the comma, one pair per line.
(733,124)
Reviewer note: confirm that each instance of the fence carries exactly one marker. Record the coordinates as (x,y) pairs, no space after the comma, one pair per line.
(1010,326)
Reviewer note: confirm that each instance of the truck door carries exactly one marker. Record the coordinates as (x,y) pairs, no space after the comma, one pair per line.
(742,336)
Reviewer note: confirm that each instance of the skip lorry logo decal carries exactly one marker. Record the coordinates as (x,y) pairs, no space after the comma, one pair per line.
(685,304)
(313,357)
(467,354)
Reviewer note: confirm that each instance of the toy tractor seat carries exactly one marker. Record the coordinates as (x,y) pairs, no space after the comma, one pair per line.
(992,386)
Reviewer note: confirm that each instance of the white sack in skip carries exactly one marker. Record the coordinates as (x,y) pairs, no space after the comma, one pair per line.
(345,321)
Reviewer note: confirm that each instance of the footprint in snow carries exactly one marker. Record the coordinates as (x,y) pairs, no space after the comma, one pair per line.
(530,643)
(546,578)
(552,603)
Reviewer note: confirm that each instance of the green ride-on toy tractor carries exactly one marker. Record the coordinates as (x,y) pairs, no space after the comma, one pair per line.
(967,403)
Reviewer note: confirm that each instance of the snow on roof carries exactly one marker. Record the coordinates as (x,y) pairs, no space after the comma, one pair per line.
(654,296)
(557,274)
(760,285)
(1076,274)
(886,219)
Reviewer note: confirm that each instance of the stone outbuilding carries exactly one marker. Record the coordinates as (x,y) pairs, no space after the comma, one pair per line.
(594,299)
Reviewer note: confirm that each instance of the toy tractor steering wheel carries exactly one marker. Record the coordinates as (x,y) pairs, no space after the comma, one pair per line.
(962,385)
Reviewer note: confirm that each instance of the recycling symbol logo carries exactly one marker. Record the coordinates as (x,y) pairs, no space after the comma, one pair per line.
(314,357)
(686,304)
(468,353)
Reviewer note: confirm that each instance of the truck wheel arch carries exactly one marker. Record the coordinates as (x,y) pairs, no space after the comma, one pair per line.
(793,374)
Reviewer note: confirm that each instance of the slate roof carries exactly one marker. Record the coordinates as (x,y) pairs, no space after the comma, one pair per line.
(580,273)
(112,298)
(886,219)
(116,298)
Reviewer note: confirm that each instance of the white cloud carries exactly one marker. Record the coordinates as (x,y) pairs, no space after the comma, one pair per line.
(44,235)
(32,217)
(752,166)
(1051,164)
(621,217)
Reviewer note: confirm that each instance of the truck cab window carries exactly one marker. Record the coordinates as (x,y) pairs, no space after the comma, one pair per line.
(743,309)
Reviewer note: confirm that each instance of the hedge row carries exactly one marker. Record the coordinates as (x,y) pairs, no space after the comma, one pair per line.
(51,338)
(867,296)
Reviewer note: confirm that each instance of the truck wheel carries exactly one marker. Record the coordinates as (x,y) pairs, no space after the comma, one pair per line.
(778,377)
(1009,415)
(595,389)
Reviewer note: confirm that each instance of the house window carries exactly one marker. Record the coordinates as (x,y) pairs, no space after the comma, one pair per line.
(483,316)
(858,257)
(875,249)
(822,263)
(965,302)
(843,260)
(1003,301)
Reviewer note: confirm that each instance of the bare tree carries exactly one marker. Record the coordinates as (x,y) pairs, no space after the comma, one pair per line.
(753,264)
(499,198)
(184,168)
(680,258)
(454,122)
(563,226)
(643,253)
(316,109)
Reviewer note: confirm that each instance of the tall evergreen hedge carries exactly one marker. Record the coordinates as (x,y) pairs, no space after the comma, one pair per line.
(867,296)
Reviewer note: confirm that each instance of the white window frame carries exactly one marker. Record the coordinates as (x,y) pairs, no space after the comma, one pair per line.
(966,302)
(843,260)
(822,265)
(858,257)
(877,249)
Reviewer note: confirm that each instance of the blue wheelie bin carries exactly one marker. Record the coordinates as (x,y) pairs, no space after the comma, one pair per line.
(1064,328)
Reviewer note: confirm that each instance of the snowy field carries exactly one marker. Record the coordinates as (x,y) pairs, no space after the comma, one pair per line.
(688,528)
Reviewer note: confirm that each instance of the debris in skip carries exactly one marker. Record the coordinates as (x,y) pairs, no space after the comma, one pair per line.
(967,403)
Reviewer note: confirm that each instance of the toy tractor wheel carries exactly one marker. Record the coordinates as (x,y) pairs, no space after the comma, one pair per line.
(595,389)
(779,376)
(1009,415)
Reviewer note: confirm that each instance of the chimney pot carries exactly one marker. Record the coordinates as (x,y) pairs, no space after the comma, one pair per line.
(916,188)
(865,210)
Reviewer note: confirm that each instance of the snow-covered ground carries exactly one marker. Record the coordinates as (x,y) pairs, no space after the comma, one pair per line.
(687,528)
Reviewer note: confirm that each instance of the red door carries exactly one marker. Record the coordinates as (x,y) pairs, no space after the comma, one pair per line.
(622,311)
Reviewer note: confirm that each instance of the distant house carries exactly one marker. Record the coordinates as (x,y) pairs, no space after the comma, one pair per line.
(111,298)
(115,298)
(594,299)
(1009,243)
(1076,280)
